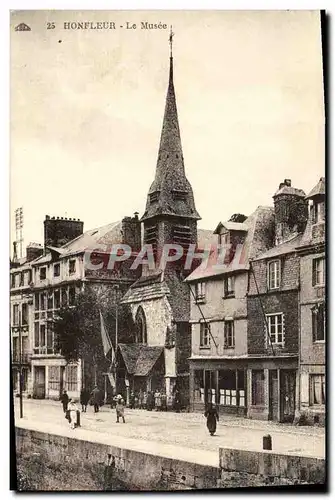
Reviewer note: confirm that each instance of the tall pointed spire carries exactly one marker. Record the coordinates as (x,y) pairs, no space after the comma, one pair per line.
(170,172)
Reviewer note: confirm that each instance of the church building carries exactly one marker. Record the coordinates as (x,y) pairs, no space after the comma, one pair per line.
(160,298)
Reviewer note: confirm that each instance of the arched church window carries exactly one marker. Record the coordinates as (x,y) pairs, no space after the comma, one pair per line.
(141,327)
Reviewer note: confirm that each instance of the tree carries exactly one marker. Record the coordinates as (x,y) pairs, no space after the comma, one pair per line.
(77,329)
(237,218)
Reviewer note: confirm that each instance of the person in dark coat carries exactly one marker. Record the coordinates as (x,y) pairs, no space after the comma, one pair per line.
(212,416)
(65,400)
(84,399)
(150,401)
(96,398)
(132,400)
(177,403)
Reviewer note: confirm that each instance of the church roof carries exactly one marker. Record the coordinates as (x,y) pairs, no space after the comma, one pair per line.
(139,358)
(170,193)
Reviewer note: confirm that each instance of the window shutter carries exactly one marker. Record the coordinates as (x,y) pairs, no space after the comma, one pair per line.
(314,273)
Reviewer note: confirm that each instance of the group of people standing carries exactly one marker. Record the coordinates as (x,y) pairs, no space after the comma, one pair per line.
(155,400)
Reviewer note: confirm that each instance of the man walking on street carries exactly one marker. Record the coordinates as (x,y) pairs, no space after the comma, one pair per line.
(84,399)
(65,400)
(95,394)
(120,410)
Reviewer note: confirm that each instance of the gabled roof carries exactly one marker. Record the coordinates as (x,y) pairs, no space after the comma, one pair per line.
(231,226)
(139,358)
(99,238)
(259,237)
(318,190)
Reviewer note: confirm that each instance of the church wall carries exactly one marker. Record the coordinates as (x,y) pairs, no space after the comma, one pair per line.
(158,315)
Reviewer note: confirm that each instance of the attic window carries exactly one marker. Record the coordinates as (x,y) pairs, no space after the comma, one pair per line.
(154,196)
(179,194)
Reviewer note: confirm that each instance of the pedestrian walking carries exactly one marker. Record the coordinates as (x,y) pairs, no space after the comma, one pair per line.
(84,399)
(73,414)
(120,410)
(177,403)
(96,399)
(212,416)
(65,400)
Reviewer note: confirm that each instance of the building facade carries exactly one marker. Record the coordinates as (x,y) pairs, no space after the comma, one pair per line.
(219,357)
(273,313)
(313,310)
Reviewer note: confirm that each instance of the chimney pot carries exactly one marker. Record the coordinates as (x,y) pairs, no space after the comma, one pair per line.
(287,182)
(47,217)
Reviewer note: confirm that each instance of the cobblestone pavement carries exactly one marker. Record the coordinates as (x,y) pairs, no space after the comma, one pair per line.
(186,430)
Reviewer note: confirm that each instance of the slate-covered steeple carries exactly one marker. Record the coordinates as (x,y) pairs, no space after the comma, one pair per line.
(170,193)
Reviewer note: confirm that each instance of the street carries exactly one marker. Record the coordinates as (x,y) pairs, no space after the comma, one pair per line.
(172,433)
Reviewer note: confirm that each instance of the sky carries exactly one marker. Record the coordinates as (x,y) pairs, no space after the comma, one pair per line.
(87,108)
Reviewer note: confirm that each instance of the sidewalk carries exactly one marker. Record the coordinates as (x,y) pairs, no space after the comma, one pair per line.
(181,435)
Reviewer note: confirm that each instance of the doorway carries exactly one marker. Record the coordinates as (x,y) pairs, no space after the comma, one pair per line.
(39,382)
(274,395)
(287,395)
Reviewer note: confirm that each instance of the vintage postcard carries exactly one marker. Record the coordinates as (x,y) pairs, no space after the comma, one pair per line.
(167,270)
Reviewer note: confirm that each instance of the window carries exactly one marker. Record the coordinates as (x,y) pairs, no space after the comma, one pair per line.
(72,266)
(276,328)
(141,326)
(224,239)
(200,291)
(25,313)
(57,299)
(42,301)
(16,350)
(50,300)
(319,322)
(54,378)
(229,286)
(72,296)
(50,340)
(42,335)
(317,389)
(37,336)
(318,271)
(273,274)
(37,301)
(16,314)
(71,378)
(64,297)
(204,335)
(56,270)
(154,196)
(227,388)
(26,278)
(229,336)
(12,280)
(17,280)
(43,273)
(257,387)
(318,212)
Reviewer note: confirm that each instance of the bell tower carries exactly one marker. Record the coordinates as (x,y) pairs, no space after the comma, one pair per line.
(170,215)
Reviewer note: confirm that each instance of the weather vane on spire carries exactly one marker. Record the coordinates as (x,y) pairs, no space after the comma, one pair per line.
(171,40)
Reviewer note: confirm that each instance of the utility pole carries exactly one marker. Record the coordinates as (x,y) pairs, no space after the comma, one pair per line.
(116,331)
(20,363)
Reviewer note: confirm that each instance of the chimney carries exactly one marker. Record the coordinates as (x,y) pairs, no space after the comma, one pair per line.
(59,231)
(291,211)
(33,250)
(131,229)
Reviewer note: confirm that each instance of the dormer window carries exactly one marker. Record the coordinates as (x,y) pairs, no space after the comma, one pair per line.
(72,266)
(224,238)
(200,292)
(154,196)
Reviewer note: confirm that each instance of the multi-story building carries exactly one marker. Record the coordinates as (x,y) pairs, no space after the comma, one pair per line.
(273,313)
(219,357)
(311,251)
(56,277)
(21,317)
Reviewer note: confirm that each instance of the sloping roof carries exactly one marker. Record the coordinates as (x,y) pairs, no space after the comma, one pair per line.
(290,190)
(232,226)
(318,190)
(259,237)
(140,359)
(282,249)
(99,238)
(146,292)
